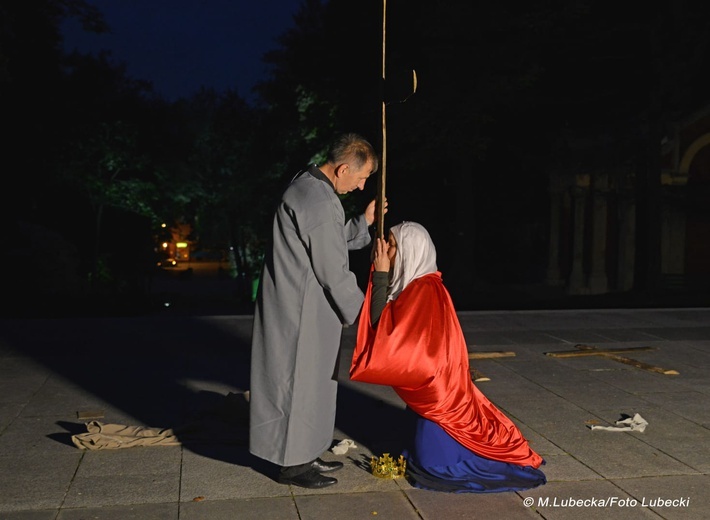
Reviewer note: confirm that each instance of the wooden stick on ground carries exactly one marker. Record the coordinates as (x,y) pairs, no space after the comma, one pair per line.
(490,354)
(612,353)
(641,365)
(594,352)
(478,376)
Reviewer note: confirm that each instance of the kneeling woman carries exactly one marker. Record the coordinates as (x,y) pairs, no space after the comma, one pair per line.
(409,337)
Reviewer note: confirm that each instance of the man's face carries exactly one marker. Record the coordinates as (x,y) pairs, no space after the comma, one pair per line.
(349,179)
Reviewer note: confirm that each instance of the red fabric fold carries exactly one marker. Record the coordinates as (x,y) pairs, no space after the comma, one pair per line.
(419,349)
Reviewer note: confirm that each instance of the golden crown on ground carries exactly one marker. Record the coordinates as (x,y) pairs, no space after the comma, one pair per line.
(387,467)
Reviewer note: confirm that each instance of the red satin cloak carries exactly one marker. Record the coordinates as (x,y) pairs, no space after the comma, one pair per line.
(419,349)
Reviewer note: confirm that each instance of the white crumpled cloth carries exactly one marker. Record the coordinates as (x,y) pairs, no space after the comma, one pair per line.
(630,424)
(343,446)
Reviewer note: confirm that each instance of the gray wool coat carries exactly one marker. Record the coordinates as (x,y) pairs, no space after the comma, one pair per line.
(306,293)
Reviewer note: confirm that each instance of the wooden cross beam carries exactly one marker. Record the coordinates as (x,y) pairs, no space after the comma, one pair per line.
(612,353)
(490,354)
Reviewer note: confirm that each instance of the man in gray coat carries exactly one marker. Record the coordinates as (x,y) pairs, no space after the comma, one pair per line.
(306,294)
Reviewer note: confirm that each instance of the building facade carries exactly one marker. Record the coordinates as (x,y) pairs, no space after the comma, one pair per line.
(593,215)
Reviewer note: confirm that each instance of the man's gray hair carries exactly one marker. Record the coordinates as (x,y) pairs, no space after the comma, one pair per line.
(352,147)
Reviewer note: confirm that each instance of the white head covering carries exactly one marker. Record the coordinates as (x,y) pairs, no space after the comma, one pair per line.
(416,256)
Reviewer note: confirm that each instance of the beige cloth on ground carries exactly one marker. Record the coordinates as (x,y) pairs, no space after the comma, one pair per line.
(113,436)
(226,424)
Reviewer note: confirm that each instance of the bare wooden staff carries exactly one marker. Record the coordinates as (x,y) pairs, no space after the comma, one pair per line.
(382,181)
(381,184)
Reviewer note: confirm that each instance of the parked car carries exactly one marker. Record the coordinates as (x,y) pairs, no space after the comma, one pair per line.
(168,262)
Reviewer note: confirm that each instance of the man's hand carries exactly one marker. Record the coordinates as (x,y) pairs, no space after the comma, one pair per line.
(370,211)
(381,261)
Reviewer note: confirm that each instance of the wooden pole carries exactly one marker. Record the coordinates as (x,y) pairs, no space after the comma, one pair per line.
(612,353)
(642,365)
(594,352)
(383,163)
(491,355)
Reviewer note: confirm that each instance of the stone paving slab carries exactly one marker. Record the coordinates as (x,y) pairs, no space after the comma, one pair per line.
(34,435)
(18,391)
(188,365)
(540,444)
(627,335)
(278,508)
(618,454)
(516,337)
(8,413)
(99,463)
(27,492)
(683,333)
(504,381)
(637,382)
(166,511)
(464,506)
(111,490)
(690,405)
(221,472)
(490,340)
(680,353)
(573,337)
(564,467)
(670,497)
(589,394)
(391,505)
(593,500)
(48,514)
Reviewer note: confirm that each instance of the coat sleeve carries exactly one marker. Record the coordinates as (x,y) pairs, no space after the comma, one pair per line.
(356,232)
(327,246)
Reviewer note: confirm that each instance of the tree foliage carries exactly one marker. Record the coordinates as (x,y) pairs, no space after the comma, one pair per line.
(504,90)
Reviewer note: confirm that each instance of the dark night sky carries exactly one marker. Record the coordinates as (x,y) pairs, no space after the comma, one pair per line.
(181,45)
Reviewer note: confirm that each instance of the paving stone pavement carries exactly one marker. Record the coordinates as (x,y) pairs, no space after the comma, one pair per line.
(190,373)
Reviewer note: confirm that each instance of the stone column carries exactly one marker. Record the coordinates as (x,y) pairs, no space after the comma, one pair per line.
(554,276)
(598,282)
(575,283)
(672,240)
(627,240)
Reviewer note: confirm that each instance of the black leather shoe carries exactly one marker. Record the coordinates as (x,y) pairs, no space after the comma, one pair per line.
(322,466)
(311,479)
